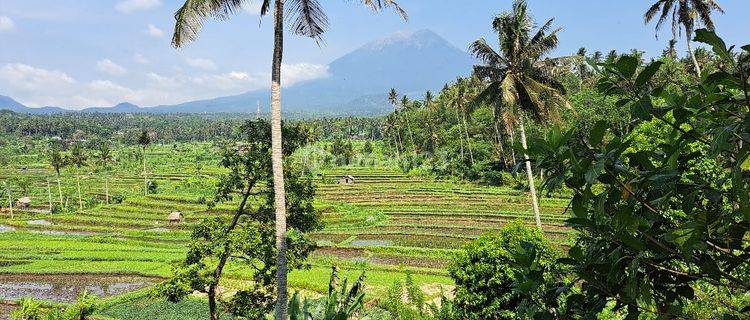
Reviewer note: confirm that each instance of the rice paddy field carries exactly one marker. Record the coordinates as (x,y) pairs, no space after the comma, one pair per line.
(386,223)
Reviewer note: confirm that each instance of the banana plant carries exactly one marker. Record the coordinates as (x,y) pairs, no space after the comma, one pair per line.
(342,302)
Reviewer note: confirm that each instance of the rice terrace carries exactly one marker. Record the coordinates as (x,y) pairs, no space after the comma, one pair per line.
(512,170)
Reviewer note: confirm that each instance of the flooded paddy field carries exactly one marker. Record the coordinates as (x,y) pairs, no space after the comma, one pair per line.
(64,288)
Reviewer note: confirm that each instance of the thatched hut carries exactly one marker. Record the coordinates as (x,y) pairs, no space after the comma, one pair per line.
(24,202)
(175,217)
(347,180)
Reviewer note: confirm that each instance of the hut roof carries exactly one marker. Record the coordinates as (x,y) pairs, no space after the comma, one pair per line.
(176,215)
(24,200)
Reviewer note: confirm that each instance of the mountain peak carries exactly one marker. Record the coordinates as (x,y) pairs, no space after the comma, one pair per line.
(125,105)
(418,39)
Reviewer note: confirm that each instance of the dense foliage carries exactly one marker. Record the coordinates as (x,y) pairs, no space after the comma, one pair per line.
(659,223)
(247,236)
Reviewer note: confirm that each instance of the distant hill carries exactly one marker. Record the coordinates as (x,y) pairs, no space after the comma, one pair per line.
(7,103)
(357,84)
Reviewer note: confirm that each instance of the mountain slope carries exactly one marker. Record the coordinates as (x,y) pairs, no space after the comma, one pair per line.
(357,84)
(7,103)
(359,81)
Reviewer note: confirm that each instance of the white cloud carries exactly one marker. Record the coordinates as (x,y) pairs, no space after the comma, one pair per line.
(293,73)
(6,24)
(154,31)
(200,63)
(140,59)
(252,7)
(109,67)
(36,86)
(129,6)
(24,77)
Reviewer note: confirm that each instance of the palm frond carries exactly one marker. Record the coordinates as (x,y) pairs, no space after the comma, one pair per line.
(308,18)
(378,5)
(489,72)
(484,52)
(542,31)
(703,9)
(189,18)
(543,45)
(265,7)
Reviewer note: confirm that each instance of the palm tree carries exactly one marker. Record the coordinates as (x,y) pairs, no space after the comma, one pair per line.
(518,76)
(405,107)
(78,158)
(597,56)
(670,51)
(309,20)
(430,113)
(458,100)
(57,161)
(104,157)
(582,67)
(144,140)
(687,14)
(393,100)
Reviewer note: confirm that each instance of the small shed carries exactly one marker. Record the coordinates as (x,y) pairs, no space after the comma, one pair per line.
(175,217)
(24,202)
(347,180)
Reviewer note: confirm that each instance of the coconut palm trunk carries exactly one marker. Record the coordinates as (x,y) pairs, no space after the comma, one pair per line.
(512,149)
(106,186)
(49,196)
(277,162)
(499,138)
(59,189)
(145,176)
(692,53)
(78,183)
(468,141)
(530,175)
(10,203)
(460,135)
(411,135)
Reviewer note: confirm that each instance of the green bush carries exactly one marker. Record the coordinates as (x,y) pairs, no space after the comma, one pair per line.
(486,271)
(29,309)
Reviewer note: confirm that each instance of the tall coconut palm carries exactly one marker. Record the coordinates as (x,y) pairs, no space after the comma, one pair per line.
(104,157)
(519,77)
(671,50)
(393,100)
(458,100)
(309,20)
(144,140)
(405,107)
(686,14)
(57,161)
(429,106)
(78,159)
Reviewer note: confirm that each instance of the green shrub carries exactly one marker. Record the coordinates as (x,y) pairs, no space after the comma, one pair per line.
(152,186)
(84,307)
(29,309)
(486,271)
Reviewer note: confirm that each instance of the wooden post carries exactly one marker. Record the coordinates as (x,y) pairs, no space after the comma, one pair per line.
(10,202)
(49,196)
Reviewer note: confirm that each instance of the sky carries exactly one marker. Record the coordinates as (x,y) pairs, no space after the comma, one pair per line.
(86,53)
